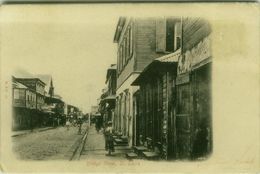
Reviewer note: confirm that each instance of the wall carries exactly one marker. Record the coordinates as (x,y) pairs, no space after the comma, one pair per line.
(196,43)
(31,102)
(145,42)
(19,97)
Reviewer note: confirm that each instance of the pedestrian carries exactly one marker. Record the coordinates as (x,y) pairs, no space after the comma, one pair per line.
(109,138)
(79,125)
(68,124)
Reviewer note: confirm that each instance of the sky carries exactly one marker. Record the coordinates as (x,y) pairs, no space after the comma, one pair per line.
(74,45)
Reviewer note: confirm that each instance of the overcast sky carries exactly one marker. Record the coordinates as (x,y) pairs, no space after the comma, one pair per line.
(74,45)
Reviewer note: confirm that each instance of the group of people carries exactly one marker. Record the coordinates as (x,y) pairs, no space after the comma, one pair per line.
(77,122)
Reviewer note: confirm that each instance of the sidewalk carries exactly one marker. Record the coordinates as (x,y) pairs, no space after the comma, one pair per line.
(24,132)
(95,147)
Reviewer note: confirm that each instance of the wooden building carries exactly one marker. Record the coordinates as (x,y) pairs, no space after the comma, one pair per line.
(172,108)
(36,85)
(140,41)
(108,99)
(28,98)
(154,106)
(193,113)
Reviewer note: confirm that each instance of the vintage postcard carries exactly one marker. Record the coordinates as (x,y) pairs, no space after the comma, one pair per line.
(130,87)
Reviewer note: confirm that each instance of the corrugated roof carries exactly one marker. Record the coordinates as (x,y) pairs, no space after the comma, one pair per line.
(173,57)
(157,65)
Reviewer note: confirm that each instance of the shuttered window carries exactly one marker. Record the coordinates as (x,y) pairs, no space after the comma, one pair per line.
(130,41)
(177,39)
(161,35)
(168,34)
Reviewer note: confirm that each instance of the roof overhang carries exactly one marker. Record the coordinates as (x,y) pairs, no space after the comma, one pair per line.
(53,100)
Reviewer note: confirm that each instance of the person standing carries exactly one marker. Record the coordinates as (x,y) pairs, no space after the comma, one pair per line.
(109,138)
(79,125)
(68,124)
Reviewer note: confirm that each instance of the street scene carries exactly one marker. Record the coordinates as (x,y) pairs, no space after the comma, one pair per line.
(148,98)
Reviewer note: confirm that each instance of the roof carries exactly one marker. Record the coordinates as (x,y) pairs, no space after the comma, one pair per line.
(158,65)
(21,73)
(28,79)
(46,78)
(111,69)
(173,57)
(110,97)
(19,85)
(112,66)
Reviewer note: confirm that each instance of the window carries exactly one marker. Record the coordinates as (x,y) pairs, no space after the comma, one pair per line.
(168,34)
(120,58)
(125,49)
(16,94)
(130,41)
(170,29)
(177,38)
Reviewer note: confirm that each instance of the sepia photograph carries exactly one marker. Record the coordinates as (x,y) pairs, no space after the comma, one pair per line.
(117,87)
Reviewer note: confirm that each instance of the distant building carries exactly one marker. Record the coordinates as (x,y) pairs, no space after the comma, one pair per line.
(94,109)
(47,79)
(28,100)
(108,97)
(24,105)
(36,85)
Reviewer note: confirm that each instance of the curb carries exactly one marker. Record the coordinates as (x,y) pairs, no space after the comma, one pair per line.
(29,132)
(79,142)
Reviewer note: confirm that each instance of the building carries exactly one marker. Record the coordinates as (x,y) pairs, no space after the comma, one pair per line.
(49,88)
(108,98)
(172,109)
(38,86)
(24,106)
(140,41)
(193,83)
(154,106)
(28,93)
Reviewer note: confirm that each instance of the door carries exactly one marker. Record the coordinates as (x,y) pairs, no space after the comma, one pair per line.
(202,111)
(183,122)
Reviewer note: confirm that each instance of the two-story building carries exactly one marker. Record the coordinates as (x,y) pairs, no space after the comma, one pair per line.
(108,98)
(154,108)
(36,85)
(193,83)
(173,106)
(24,106)
(139,41)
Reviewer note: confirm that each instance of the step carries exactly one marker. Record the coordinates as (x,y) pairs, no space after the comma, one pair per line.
(140,148)
(120,142)
(131,155)
(151,155)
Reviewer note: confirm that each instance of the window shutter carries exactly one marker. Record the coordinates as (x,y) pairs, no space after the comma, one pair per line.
(177,38)
(161,35)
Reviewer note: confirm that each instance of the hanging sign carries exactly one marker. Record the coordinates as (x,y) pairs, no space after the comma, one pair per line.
(182,79)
